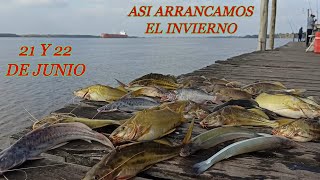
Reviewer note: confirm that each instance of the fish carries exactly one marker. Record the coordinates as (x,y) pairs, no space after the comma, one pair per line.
(100,93)
(212,89)
(309,100)
(246,103)
(262,87)
(130,105)
(300,130)
(214,81)
(152,80)
(155,76)
(214,137)
(187,94)
(237,116)
(288,106)
(227,94)
(242,147)
(66,118)
(147,91)
(148,125)
(270,87)
(192,81)
(127,161)
(235,84)
(31,145)
(191,109)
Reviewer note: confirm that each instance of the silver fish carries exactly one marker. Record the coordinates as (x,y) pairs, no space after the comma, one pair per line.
(214,137)
(188,94)
(31,145)
(130,105)
(241,147)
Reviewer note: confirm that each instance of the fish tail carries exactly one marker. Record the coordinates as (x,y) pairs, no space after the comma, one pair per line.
(201,167)
(296,91)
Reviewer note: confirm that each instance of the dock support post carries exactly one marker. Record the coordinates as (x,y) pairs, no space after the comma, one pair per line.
(273,24)
(262,41)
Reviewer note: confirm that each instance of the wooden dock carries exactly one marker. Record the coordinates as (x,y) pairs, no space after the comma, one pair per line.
(288,64)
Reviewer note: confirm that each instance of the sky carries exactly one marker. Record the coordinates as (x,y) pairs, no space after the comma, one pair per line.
(110,16)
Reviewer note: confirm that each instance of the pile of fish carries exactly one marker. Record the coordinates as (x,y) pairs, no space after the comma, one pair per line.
(159,104)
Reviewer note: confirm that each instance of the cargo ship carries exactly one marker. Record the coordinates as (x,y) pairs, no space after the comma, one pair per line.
(122,34)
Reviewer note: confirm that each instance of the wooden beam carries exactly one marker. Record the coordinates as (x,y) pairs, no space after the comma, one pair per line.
(273,24)
(262,41)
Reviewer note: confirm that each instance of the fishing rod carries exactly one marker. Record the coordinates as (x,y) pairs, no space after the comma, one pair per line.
(318,9)
(290,23)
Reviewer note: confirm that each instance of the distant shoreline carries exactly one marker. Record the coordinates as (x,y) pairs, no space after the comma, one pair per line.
(282,35)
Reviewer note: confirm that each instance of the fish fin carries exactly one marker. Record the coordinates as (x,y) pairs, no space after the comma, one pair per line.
(187,138)
(169,132)
(121,83)
(259,112)
(180,110)
(35,158)
(122,88)
(126,96)
(59,145)
(164,141)
(89,141)
(279,84)
(148,98)
(284,121)
(163,90)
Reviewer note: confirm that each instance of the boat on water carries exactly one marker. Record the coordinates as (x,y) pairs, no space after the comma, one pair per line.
(122,34)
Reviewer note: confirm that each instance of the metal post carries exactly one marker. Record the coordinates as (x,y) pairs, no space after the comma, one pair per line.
(273,24)
(263,25)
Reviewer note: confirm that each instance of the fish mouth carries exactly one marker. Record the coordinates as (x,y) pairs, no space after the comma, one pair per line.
(164,98)
(204,125)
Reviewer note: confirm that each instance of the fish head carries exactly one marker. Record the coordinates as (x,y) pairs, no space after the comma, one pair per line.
(250,90)
(94,174)
(101,170)
(123,133)
(212,120)
(198,114)
(82,93)
(169,96)
(186,150)
(298,131)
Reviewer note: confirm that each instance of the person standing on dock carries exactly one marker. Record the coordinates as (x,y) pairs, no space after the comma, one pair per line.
(300,34)
(310,27)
